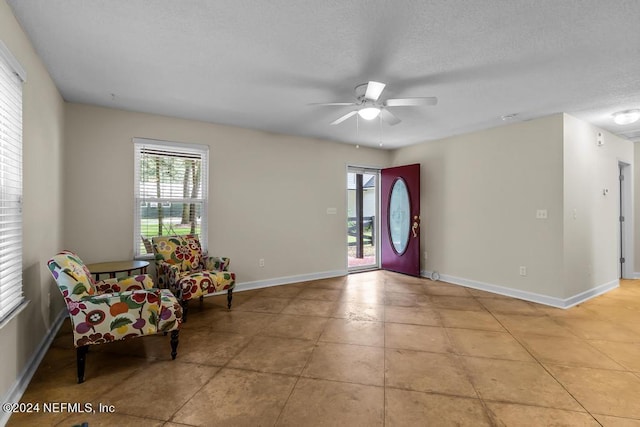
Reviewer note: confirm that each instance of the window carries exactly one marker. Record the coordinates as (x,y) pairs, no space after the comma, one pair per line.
(170,191)
(11,78)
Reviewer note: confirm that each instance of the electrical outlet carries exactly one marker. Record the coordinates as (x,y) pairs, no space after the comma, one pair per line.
(426,255)
(541,214)
(523,270)
(261,262)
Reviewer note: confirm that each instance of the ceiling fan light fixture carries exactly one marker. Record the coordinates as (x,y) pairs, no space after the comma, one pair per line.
(626,117)
(369,113)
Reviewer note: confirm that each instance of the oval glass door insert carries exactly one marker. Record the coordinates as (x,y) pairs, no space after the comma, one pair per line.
(399,216)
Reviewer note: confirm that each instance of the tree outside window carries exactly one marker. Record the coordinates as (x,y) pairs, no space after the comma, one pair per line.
(171,191)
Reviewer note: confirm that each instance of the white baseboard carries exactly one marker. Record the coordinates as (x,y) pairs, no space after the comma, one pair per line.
(591,293)
(636,275)
(15,393)
(258,284)
(526,295)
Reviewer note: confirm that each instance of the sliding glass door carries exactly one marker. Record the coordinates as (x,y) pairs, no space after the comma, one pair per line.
(362,218)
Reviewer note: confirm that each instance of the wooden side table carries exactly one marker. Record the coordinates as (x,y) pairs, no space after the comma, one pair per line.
(111,268)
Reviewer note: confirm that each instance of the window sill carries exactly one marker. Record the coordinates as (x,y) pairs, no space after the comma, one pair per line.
(9,317)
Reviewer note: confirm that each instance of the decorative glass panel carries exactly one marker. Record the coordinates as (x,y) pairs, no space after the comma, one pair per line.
(399,216)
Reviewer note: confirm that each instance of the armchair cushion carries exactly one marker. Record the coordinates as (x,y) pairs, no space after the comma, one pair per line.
(110,317)
(194,283)
(142,281)
(200,283)
(183,251)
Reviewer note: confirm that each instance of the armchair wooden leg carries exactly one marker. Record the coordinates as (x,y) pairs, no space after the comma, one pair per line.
(81,353)
(229,298)
(201,300)
(174,344)
(185,308)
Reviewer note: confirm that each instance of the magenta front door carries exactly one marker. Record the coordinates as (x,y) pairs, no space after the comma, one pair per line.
(400,224)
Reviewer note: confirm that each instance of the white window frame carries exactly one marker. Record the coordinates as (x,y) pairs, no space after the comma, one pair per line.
(12,77)
(176,148)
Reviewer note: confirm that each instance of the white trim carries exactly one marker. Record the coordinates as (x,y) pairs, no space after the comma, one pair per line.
(189,146)
(636,275)
(363,268)
(258,284)
(17,390)
(591,293)
(5,320)
(526,295)
(378,226)
(627,225)
(13,62)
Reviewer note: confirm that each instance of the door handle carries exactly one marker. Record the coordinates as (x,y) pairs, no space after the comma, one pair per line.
(415,226)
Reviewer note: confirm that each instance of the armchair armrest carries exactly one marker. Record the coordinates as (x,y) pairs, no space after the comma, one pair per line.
(109,286)
(216,263)
(168,274)
(109,317)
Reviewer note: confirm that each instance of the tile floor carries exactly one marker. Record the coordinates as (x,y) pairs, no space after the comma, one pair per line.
(368,349)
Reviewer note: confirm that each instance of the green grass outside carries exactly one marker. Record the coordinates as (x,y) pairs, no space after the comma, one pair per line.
(172,227)
(367,232)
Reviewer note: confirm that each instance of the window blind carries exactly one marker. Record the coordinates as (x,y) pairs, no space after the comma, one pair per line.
(170,191)
(11,78)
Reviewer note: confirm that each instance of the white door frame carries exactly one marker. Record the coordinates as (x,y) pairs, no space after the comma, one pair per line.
(625,234)
(374,170)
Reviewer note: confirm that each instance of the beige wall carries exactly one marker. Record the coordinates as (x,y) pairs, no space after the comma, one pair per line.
(43,111)
(479,196)
(591,227)
(268,193)
(480,193)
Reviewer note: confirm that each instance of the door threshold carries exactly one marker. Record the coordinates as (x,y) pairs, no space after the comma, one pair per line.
(363,269)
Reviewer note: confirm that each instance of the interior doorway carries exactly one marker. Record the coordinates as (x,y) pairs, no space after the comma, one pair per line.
(363,208)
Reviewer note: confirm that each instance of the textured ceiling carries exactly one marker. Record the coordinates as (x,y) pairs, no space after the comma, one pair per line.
(258,64)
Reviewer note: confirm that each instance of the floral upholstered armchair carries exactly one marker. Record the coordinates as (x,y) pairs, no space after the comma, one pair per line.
(113,309)
(189,273)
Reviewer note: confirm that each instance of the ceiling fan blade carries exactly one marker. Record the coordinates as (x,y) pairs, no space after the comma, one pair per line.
(405,102)
(374,89)
(345,117)
(389,117)
(333,103)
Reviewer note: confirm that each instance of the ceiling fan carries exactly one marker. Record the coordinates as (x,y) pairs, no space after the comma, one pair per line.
(368,104)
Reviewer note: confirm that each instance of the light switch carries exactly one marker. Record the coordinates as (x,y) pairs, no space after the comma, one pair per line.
(332,211)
